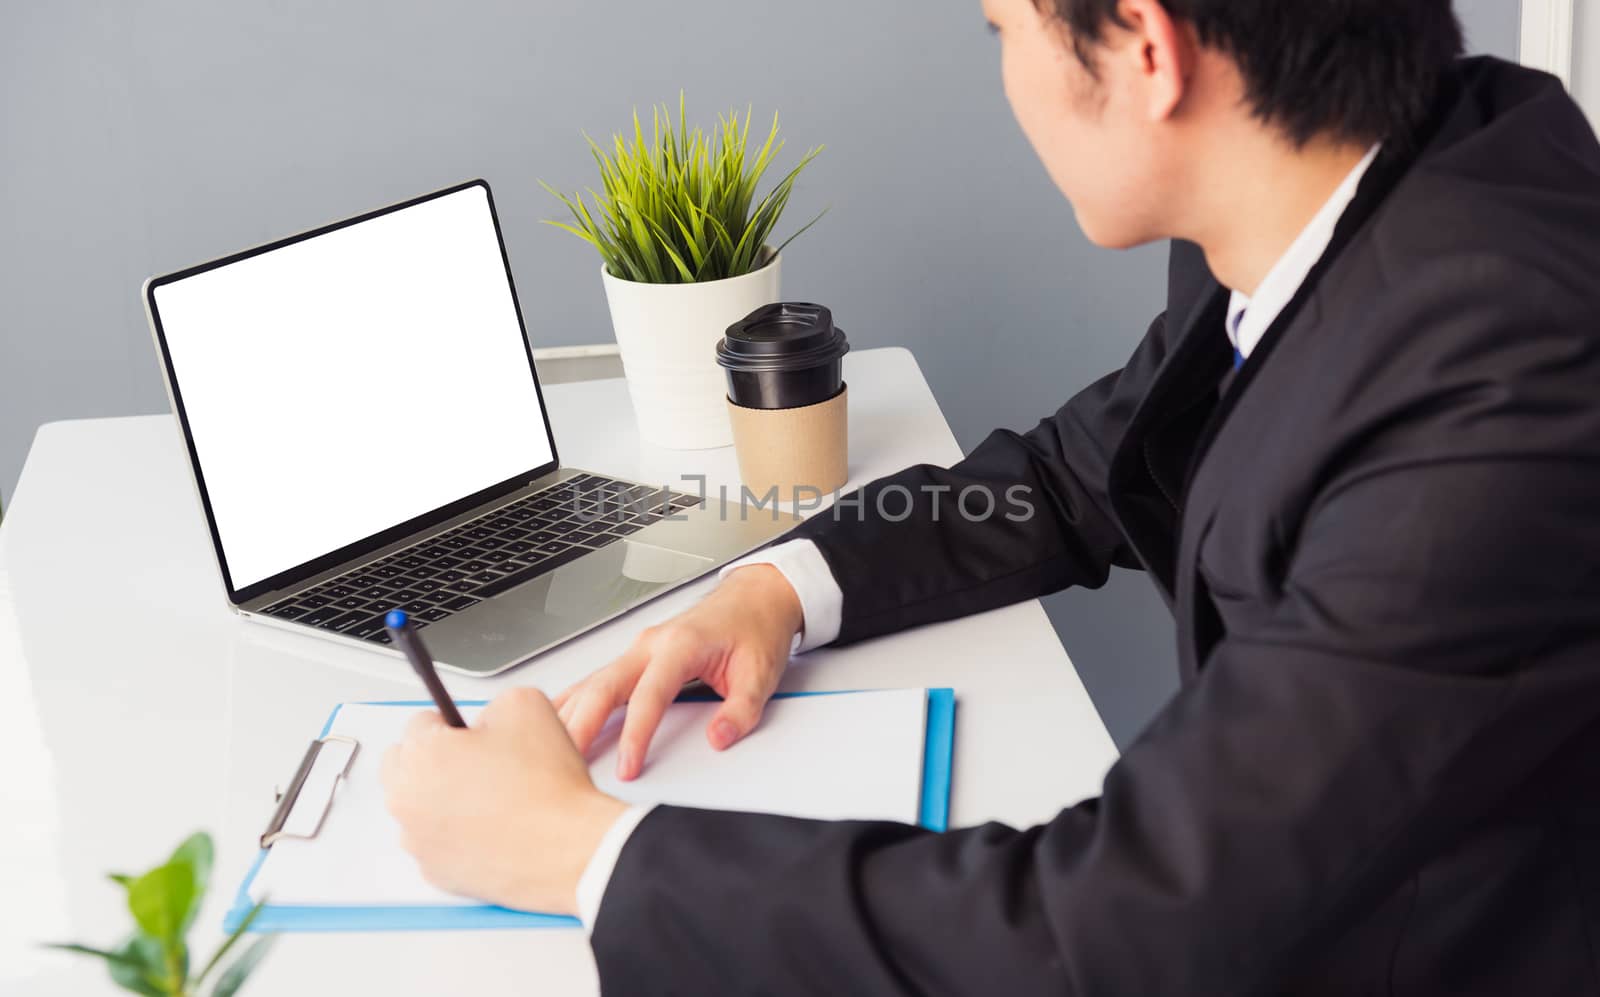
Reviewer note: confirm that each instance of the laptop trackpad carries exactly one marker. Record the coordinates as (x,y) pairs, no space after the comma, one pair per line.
(614,578)
(553,607)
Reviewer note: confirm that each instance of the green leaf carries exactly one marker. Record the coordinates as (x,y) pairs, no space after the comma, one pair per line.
(198,853)
(164,903)
(160,900)
(138,966)
(89,950)
(225,947)
(666,246)
(143,969)
(234,976)
(679,204)
(785,244)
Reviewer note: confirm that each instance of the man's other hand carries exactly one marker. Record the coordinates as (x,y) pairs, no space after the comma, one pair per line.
(736,641)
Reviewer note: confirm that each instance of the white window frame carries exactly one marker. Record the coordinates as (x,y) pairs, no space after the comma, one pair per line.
(1547,41)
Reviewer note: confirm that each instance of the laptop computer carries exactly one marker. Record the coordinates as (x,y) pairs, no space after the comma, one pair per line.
(366,430)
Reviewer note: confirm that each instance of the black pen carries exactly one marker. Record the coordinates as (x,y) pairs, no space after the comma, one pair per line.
(406,637)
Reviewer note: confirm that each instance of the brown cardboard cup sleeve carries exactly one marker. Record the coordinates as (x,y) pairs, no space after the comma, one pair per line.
(793,448)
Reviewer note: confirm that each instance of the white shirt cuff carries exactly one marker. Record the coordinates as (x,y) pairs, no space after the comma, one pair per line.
(821,601)
(597,874)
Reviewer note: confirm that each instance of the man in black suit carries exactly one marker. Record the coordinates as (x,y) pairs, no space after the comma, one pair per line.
(1366,478)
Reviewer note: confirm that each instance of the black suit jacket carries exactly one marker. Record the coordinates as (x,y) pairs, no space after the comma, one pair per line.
(1381,543)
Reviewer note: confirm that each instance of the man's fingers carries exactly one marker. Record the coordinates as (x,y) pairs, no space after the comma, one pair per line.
(397,790)
(628,665)
(673,660)
(591,710)
(739,714)
(389,771)
(650,699)
(593,700)
(422,723)
(565,696)
(514,707)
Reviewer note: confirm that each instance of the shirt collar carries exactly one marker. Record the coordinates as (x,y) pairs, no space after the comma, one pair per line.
(1249,317)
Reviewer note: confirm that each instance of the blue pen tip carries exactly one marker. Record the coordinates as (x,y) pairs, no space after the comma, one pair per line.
(397,618)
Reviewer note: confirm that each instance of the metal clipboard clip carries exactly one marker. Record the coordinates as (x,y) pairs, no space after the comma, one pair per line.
(287,799)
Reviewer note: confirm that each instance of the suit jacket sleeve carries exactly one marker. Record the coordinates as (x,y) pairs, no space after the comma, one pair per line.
(1434,644)
(906,551)
(1026,514)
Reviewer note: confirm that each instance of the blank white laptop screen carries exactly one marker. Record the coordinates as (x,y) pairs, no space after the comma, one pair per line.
(342,385)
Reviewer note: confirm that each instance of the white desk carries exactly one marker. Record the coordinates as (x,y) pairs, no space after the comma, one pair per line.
(135,708)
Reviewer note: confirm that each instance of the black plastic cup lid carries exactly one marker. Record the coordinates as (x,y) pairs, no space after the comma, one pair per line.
(781,337)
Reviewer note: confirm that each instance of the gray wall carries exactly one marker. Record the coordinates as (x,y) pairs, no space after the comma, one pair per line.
(137,136)
(1586,56)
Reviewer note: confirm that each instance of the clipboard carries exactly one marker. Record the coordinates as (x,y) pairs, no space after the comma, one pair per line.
(933,814)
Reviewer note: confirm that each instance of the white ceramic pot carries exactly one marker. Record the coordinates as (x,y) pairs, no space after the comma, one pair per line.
(668,336)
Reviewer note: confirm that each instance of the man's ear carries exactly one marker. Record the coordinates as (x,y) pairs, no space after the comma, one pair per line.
(1164,51)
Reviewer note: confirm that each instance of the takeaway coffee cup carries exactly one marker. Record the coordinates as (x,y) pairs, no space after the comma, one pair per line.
(787,399)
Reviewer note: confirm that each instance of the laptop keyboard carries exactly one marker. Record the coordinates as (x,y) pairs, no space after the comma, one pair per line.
(455,570)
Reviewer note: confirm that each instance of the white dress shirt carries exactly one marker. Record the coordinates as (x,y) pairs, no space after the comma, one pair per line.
(822,602)
(1250,316)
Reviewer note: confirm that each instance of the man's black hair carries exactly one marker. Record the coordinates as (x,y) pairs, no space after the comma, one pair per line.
(1356,70)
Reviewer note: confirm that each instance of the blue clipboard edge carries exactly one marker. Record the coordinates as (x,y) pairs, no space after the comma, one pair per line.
(933,814)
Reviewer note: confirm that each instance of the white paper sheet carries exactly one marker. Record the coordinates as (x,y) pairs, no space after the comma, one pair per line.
(837,757)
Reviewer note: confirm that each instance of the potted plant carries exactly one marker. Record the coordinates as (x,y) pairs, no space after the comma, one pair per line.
(154,960)
(683,240)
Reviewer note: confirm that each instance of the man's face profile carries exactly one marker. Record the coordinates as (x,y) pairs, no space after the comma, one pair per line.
(1103,129)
